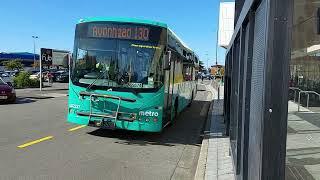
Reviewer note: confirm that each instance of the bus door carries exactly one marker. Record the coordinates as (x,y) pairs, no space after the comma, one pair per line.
(169,84)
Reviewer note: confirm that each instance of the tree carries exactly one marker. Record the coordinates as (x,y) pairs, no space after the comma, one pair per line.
(13,64)
(201,66)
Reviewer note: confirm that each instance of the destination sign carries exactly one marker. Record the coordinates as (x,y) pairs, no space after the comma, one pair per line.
(119,32)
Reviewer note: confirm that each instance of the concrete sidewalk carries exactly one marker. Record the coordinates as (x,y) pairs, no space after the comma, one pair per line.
(53,87)
(303,143)
(219,162)
(215,162)
(56,90)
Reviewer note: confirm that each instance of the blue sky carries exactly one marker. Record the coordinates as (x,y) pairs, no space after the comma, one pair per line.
(54,21)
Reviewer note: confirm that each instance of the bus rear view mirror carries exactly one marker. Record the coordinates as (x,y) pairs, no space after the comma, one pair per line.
(167,61)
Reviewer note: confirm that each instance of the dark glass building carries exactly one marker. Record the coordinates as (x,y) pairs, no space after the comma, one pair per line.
(272,90)
(256,88)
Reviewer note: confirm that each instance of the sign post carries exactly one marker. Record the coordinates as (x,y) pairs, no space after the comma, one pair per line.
(46,59)
(40,76)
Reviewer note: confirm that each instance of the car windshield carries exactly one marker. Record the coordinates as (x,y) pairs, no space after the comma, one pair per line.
(119,63)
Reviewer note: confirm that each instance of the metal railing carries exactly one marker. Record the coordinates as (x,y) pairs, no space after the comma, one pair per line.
(308,97)
(295,89)
(216,85)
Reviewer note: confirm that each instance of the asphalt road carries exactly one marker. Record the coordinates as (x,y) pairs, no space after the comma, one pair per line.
(71,152)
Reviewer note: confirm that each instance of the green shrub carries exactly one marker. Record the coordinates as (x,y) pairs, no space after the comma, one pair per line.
(34,83)
(23,81)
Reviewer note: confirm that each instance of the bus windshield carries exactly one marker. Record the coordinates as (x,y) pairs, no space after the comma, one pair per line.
(112,61)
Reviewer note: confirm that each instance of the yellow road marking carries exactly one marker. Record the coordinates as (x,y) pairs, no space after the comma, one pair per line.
(35,142)
(76,128)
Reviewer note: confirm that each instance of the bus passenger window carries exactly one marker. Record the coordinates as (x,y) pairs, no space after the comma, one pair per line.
(187,75)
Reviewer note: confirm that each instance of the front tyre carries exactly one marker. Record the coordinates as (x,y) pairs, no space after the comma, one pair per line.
(190,103)
(13,100)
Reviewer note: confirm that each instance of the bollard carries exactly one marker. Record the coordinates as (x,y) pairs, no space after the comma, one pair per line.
(299,101)
(308,97)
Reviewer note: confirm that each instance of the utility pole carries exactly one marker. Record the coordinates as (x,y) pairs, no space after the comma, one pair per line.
(217,47)
(207,55)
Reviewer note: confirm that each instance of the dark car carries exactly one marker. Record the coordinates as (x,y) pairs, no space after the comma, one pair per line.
(7,92)
(55,74)
(63,77)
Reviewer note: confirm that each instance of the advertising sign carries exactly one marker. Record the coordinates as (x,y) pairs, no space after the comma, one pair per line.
(46,57)
(53,57)
(59,57)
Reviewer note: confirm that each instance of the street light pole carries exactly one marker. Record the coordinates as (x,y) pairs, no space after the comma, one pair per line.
(34,50)
(34,60)
(207,55)
(207,69)
(217,47)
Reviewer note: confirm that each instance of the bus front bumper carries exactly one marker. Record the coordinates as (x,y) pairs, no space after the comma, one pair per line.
(145,124)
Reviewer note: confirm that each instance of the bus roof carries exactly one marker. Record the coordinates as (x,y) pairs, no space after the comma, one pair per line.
(180,40)
(125,20)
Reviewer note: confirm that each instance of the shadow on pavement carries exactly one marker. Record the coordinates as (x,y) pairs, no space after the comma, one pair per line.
(20,101)
(312,118)
(187,129)
(297,159)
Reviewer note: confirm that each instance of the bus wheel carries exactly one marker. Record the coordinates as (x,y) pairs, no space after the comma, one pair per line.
(176,108)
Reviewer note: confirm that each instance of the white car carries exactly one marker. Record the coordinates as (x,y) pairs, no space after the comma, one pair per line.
(35,76)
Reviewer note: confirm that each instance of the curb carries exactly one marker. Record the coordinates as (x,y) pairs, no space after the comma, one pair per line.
(44,89)
(202,161)
(36,97)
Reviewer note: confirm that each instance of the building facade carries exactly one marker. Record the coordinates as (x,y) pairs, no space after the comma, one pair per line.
(272,90)
(256,88)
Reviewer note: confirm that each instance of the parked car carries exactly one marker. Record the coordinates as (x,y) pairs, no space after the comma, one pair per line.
(64,77)
(11,73)
(35,75)
(7,92)
(4,74)
(55,74)
(33,71)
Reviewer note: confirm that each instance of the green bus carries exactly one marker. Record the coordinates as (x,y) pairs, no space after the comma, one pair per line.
(129,74)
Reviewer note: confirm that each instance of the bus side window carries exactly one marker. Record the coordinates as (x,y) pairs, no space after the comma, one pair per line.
(187,75)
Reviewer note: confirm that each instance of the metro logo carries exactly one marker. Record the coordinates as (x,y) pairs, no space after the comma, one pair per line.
(148,113)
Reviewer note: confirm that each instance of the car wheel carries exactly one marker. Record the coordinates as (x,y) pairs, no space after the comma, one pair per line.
(13,100)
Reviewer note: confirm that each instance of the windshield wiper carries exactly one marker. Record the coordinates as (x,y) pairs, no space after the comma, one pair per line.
(98,77)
